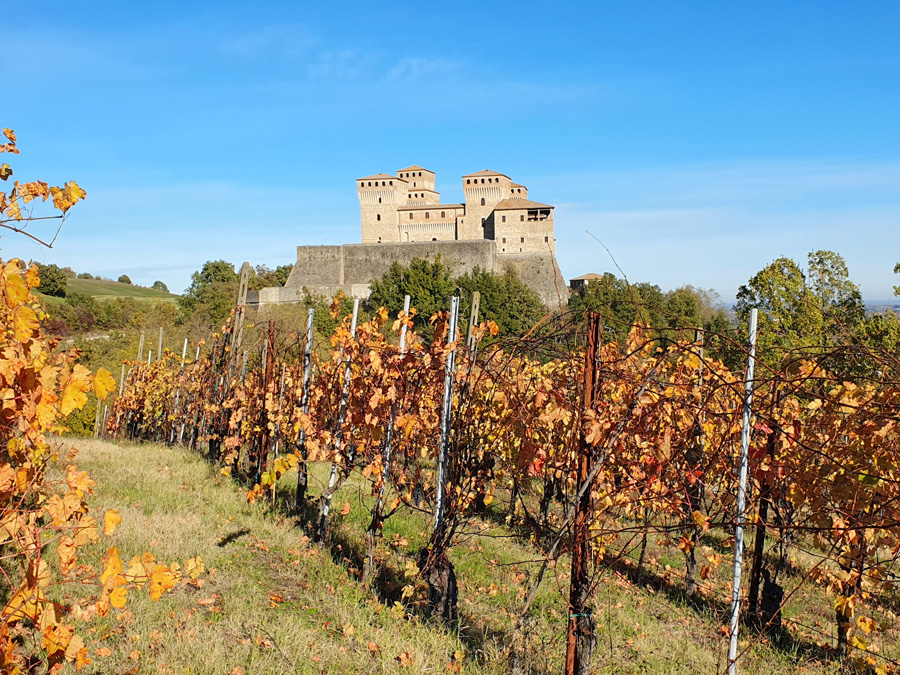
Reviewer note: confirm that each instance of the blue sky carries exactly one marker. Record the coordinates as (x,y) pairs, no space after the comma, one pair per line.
(698,141)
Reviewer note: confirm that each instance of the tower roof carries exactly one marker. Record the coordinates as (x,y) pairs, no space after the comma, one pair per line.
(486,172)
(382,176)
(415,167)
(507,204)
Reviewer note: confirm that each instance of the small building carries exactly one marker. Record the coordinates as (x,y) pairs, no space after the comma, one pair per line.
(578,283)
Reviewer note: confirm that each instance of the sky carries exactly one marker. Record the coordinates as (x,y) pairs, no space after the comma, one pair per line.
(698,141)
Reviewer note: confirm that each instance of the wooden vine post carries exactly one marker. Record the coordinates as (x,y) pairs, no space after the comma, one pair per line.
(580,638)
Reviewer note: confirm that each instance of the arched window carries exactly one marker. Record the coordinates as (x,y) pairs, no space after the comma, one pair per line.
(468,181)
(482,180)
(426,214)
(378,216)
(390,182)
(443,215)
(522,218)
(420,173)
(434,239)
(410,216)
(503,219)
(379,200)
(482,201)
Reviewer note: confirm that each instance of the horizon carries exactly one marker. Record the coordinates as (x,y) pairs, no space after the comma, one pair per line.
(697,143)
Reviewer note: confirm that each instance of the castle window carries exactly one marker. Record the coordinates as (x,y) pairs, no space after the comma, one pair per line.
(482,180)
(482,201)
(504,240)
(426,214)
(547,239)
(522,218)
(414,183)
(390,182)
(410,216)
(489,180)
(468,181)
(434,239)
(482,221)
(370,183)
(522,241)
(443,214)
(503,218)
(520,249)
(420,173)
(378,216)
(379,240)
(379,200)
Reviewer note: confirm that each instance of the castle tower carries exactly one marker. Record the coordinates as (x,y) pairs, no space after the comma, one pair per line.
(483,191)
(379,198)
(420,186)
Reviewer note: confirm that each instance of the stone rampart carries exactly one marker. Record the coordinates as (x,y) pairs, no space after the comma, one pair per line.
(327,270)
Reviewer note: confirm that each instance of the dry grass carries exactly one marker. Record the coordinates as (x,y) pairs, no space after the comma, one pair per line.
(174,505)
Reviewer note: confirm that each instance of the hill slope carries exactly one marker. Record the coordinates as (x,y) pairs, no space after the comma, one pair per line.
(98,288)
(276,603)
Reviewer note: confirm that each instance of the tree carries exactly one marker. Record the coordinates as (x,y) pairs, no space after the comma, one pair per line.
(429,285)
(124,279)
(212,293)
(85,275)
(160,286)
(789,313)
(839,298)
(53,280)
(897,271)
(263,277)
(512,305)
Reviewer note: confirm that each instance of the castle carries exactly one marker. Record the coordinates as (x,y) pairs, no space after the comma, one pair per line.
(497,229)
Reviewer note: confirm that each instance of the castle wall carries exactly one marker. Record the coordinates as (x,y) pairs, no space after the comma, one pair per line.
(539,272)
(363,263)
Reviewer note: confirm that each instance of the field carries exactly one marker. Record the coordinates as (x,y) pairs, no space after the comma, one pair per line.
(269,601)
(98,288)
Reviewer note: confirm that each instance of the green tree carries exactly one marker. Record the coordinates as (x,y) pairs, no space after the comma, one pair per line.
(212,293)
(897,271)
(428,283)
(790,315)
(160,286)
(505,299)
(85,275)
(53,280)
(263,277)
(839,298)
(124,279)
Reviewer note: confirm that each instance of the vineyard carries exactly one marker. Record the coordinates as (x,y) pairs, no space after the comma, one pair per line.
(602,456)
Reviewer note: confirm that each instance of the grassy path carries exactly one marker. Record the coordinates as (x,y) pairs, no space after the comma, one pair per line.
(270,602)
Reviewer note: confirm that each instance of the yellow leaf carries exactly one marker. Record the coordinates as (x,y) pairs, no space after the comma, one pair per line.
(110,521)
(161,580)
(103,383)
(348,629)
(103,652)
(25,323)
(74,396)
(194,567)
(119,593)
(113,565)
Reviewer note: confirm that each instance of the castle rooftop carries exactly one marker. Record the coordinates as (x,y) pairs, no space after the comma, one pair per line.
(520,204)
(416,167)
(486,172)
(429,207)
(382,176)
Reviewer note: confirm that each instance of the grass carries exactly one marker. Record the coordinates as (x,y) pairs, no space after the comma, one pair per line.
(98,288)
(281,604)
